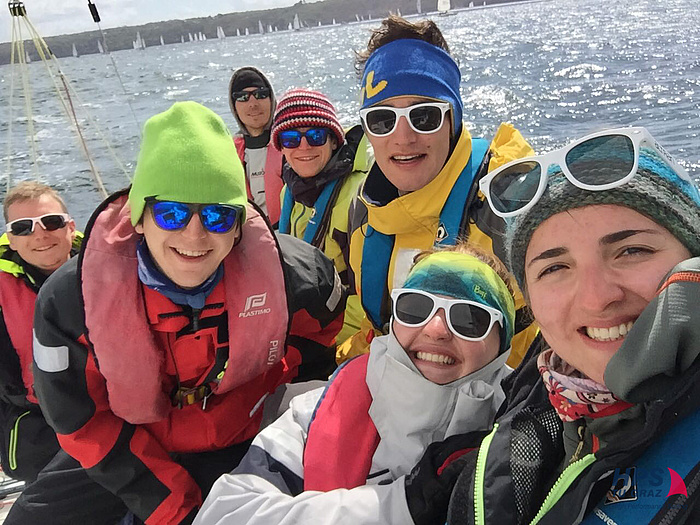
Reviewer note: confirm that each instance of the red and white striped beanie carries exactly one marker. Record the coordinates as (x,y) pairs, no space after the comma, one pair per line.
(303,108)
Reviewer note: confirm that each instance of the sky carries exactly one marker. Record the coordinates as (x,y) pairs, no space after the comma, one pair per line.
(55,17)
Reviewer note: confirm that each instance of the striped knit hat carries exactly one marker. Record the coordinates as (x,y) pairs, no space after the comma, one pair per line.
(303,108)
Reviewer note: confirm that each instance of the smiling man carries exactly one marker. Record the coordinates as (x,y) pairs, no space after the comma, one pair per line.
(155,351)
(252,103)
(40,237)
(422,190)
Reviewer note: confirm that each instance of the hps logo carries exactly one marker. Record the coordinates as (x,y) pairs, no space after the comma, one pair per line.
(255,305)
(633,483)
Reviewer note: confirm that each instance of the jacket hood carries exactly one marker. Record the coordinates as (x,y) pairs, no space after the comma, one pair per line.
(410,412)
(664,341)
(241,127)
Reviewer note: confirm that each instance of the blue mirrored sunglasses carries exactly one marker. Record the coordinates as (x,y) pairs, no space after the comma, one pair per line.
(291,138)
(215,218)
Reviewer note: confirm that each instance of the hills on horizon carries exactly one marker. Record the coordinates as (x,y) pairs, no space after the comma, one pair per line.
(177,31)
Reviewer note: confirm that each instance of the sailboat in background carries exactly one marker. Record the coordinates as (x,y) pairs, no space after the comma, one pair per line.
(27,58)
(261,29)
(418,7)
(100,48)
(139,43)
(220,32)
(238,32)
(247,32)
(162,42)
(443,7)
(75,52)
(296,25)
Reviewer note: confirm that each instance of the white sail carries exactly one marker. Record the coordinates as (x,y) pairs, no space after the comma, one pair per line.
(247,32)
(261,29)
(418,7)
(334,22)
(162,42)
(297,23)
(357,17)
(99,47)
(27,58)
(269,28)
(182,39)
(238,32)
(75,52)
(319,23)
(443,6)
(471,4)
(398,12)
(290,26)
(190,35)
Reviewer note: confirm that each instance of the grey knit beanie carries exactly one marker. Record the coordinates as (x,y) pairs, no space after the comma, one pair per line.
(656,191)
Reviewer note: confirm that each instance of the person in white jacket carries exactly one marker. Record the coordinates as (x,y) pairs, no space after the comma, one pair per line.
(359,451)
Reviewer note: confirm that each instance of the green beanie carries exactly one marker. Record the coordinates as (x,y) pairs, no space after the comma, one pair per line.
(187,155)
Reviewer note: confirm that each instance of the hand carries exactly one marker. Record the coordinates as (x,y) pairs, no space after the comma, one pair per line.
(429,485)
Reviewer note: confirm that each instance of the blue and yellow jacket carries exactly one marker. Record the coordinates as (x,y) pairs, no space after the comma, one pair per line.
(385,238)
(329,219)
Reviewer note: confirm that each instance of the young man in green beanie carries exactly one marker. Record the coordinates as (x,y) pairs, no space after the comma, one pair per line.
(155,351)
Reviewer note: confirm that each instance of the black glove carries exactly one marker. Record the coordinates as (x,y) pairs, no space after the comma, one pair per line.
(429,485)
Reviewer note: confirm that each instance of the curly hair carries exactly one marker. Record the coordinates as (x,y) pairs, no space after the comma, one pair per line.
(396,28)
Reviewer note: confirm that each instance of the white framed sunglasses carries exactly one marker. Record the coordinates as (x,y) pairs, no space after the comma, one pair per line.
(596,162)
(424,118)
(48,221)
(466,319)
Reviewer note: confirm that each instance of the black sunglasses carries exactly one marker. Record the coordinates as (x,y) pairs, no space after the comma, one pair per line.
(243,96)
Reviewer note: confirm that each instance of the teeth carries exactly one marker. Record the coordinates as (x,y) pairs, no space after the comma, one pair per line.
(435,358)
(189,253)
(43,248)
(405,157)
(609,334)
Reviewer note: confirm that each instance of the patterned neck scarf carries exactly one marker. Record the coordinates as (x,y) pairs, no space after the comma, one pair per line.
(574,395)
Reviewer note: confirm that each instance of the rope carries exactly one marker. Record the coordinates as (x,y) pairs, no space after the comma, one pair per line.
(64,91)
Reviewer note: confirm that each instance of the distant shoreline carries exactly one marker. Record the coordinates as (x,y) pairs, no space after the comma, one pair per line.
(229,25)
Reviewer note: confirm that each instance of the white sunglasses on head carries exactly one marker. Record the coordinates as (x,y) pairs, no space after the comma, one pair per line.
(596,162)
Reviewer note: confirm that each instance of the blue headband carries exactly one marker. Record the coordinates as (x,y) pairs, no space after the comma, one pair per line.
(410,67)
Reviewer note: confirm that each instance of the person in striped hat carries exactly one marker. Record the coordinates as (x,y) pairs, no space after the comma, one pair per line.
(323,168)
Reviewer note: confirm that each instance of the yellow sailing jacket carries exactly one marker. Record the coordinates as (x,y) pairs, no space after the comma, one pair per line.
(335,243)
(413,221)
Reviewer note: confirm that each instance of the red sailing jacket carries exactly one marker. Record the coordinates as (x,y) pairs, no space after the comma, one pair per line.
(104,379)
(341,423)
(273,178)
(18,319)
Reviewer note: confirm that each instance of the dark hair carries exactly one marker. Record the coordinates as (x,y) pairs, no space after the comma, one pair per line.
(397,28)
(30,190)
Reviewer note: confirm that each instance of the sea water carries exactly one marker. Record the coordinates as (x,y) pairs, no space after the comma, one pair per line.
(555,69)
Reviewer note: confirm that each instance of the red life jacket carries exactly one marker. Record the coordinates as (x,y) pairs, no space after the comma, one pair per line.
(17,301)
(342,438)
(114,306)
(273,178)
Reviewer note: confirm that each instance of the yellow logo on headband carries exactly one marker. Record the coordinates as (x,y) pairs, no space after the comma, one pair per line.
(373,90)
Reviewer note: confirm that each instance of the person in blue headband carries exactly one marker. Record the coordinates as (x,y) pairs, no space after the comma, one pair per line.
(422,190)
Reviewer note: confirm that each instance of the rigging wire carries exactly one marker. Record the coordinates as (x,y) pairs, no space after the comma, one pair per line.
(64,91)
(96,17)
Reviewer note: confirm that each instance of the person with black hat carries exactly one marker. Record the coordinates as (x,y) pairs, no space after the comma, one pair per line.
(252,102)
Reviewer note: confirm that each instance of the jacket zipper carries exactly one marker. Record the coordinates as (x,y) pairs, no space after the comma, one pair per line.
(13,441)
(565,480)
(479,476)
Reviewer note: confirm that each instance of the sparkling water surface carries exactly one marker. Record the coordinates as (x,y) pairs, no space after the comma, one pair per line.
(556,69)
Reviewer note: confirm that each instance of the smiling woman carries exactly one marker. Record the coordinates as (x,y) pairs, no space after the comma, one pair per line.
(601,236)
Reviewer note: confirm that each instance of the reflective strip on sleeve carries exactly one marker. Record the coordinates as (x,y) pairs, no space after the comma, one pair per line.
(50,358)
(336,294)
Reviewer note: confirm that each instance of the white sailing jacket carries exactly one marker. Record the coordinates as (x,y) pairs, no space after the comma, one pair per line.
(409,413)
